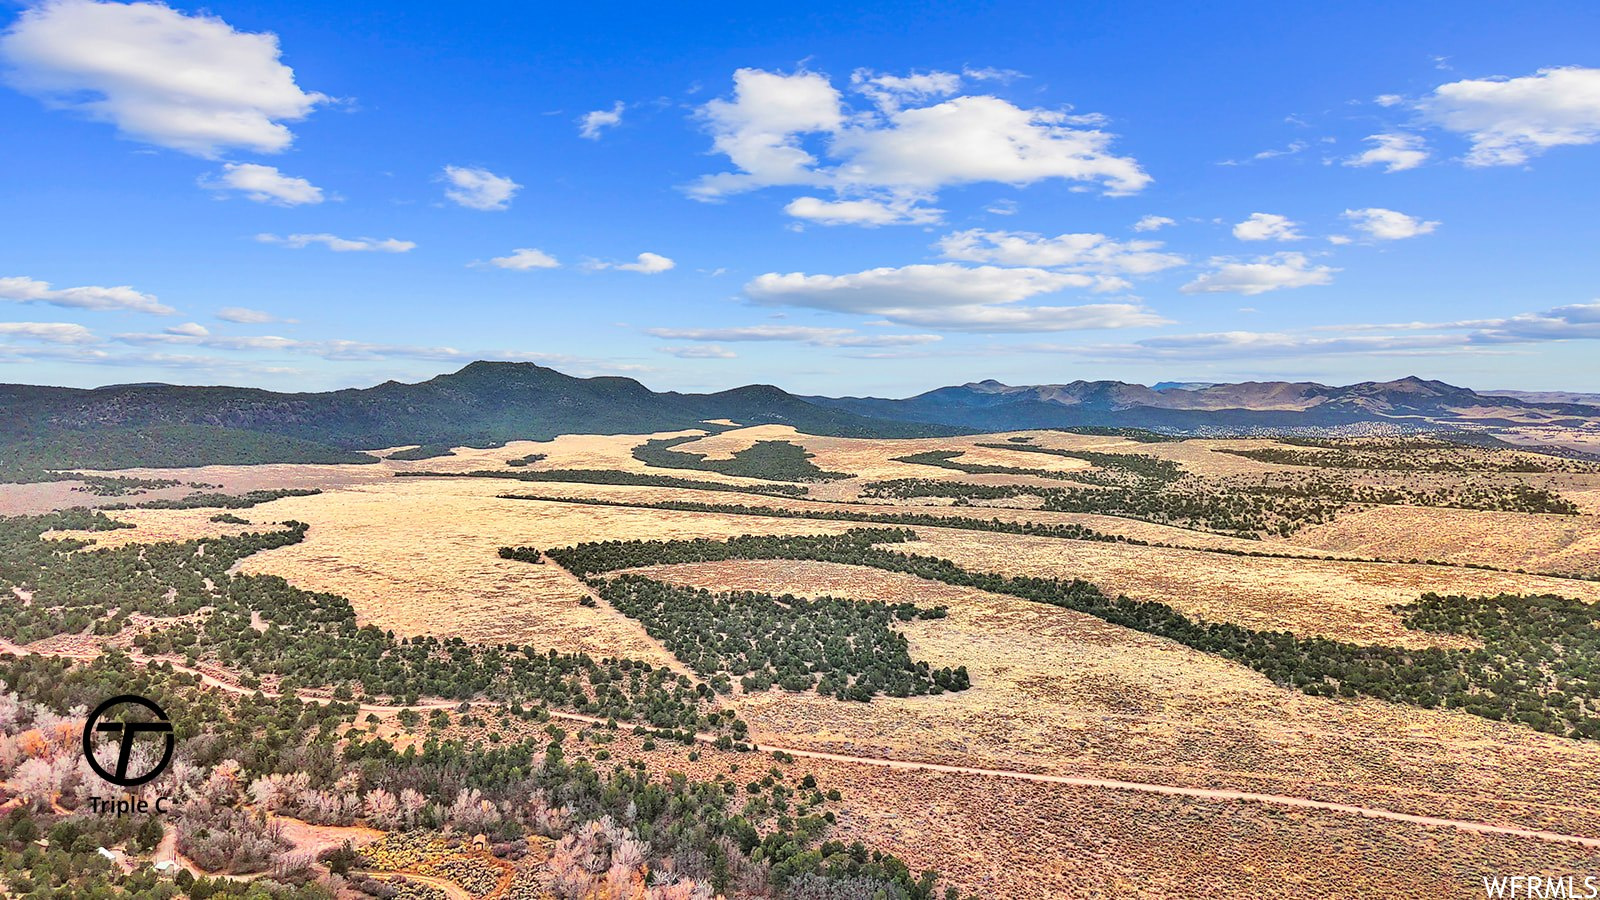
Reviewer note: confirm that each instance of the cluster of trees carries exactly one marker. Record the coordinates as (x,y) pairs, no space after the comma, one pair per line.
(66,446)
(1069,531)
(1455,493)
(846,648)
(221,501)
(1539,663)
(946,459)
(121,485)
(1235,512)
(615,476)
(766,460)
(423,451)
(1066,532)
(1423,454)
(1130,466)
(310,638)
(524,554)
(526,460)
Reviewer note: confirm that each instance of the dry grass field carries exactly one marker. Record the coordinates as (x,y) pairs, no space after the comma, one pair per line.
(1053,691)
(1537,543)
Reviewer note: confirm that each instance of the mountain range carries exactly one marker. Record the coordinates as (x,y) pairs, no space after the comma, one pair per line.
(487,403)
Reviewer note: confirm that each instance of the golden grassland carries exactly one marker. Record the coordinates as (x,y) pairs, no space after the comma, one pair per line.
(1053,691)
(1535,542)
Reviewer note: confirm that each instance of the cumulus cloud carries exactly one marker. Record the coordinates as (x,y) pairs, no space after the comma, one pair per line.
(1387,224)
(1153,223)
(48,332)
(708,351)
(646,264)
(952,297)
(338,244)
(1267,227)
(590,124)
(1268,273)
(263,184)
(898,150)
(1510,120)
(524,258)
(478,189)
(1395,152)
(246,316)
(816,337)
(188,82)
(1087,252)
(31,290)
(869,213)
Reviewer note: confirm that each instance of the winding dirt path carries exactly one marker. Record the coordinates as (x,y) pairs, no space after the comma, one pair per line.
(1213,794)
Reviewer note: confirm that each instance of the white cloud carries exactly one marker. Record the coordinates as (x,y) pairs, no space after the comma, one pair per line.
(1387,100)
(524,258)
(1510,120)
(952,297)
(1291,149)
(1579,321)
(1267,227)
(898,151)
(869,213)
(339,244)
(889,92)
(1395,152)
(479,189)
(816,337)
(1565,323)
(246,316)
(708,351)
(263,184)
(48,332)
(1268,273)
(592,123)
(1153,223)
(647,264)
(326,349)
(191,83)
(1260,345)
(30,290)
(189,329)
(1388,225)
(1079,252)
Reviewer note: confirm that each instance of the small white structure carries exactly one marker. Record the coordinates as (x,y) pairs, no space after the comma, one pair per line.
(108,854)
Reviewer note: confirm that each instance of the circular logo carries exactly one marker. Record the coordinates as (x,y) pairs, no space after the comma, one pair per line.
(127,733)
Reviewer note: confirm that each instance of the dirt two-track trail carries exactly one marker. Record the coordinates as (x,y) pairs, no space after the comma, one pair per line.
(1214,794)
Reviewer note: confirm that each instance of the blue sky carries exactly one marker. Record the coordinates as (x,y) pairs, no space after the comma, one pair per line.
(829,200)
